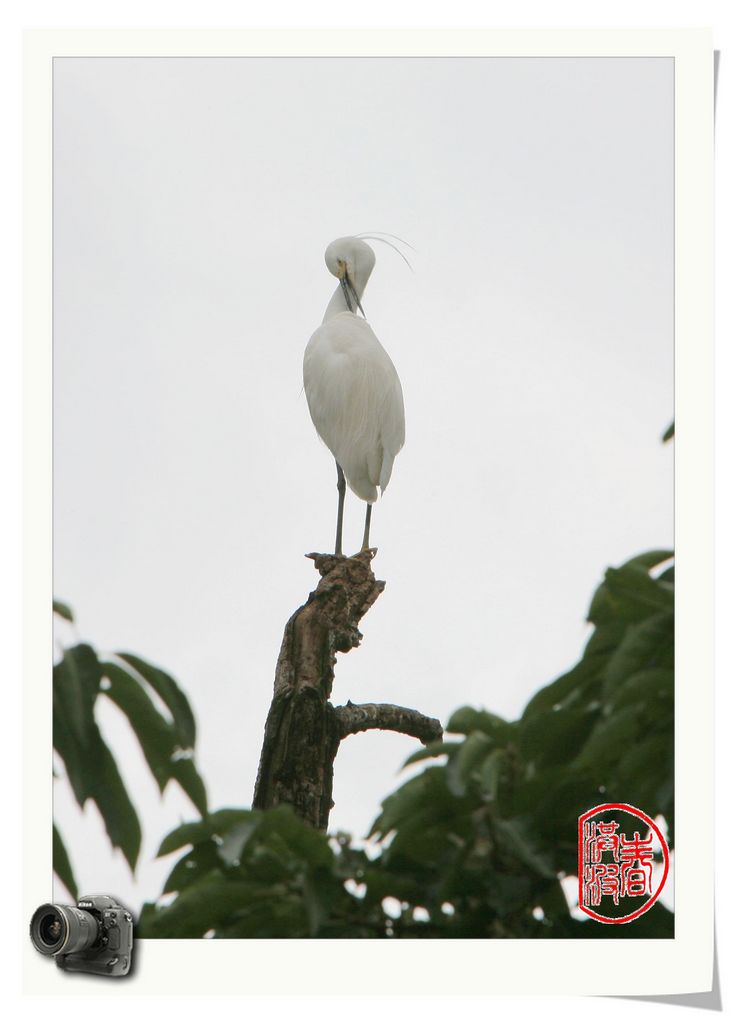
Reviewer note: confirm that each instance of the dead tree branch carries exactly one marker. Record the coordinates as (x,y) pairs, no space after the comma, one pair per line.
(303,729)
(353,718)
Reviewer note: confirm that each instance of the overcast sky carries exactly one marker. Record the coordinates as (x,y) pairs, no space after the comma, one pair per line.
(194,199)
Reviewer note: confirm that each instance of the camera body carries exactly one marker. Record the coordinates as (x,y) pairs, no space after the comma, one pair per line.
(95,937)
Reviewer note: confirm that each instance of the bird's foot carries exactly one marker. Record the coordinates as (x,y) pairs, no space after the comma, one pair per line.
(366,554)
(325,562)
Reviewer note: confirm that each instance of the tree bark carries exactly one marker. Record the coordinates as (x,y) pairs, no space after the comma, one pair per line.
(303,729)
(354,718)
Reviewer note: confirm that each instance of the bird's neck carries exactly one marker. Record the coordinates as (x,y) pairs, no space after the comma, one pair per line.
(337,305)
(338,301)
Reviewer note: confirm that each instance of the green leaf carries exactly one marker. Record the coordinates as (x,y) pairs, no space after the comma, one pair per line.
(552,801)
(602,609)
(465,760)
(645,776)
(468,720)
(320,894)
(636,593)
(647,644)
(71,751)
(62,865)
(404,802)
(210,903)
(490,773)
(170,693)
(158,738)
(647,760)
(553,738)
(216,824)
(429,822)
(422,845)
(237,838)
(553,902)
(76,685)
(118,813)
(614,735)
(63,610)
(192,867)
(435,749)
(573,687)
(610,603)
(423,804)
(90,766)
(652,686)
(155,735)
(267,916)
(516,837)
(604,640)
(93,774)
(668,434)
(185,773)
(300,839)
(261,863)
(507,893)
(651,559)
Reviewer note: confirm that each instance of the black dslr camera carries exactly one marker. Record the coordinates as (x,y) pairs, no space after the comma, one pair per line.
(96,936)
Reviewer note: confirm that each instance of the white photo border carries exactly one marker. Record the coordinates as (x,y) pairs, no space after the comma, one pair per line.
(192,968)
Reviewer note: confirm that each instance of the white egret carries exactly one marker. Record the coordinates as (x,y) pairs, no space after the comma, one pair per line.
(352,388)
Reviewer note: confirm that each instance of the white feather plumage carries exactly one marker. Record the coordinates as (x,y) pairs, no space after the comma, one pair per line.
(355,401)
(352,388)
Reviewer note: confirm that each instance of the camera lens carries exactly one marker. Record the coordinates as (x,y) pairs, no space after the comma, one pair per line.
(59,929)
(50,929)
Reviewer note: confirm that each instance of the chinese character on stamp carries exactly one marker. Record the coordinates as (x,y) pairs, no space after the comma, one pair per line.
(616,862)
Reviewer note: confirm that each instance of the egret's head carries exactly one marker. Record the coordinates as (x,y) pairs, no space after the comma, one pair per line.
(350,260)
(350,256)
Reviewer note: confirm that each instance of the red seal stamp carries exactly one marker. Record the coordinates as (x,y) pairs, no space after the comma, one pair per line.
(618,845)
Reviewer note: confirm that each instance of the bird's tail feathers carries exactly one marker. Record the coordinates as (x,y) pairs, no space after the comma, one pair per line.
(386,472)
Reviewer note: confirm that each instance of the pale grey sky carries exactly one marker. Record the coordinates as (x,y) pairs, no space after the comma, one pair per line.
(194,199)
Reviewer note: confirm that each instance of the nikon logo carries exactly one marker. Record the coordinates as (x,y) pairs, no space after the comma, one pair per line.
(84,903)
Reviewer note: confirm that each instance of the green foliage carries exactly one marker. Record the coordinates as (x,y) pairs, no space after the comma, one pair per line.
(63,610)
(81,680)
(249,874)
(62,865)
(477,843)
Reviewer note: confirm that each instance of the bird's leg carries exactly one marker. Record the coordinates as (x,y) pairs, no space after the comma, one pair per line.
(341,495)
(367,521)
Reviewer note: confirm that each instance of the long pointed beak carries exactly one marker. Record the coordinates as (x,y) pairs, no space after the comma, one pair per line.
(349,292)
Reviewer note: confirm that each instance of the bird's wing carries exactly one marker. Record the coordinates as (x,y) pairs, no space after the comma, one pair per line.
(355,400)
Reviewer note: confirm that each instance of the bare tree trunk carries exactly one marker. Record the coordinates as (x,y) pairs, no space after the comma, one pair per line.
(303,729)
